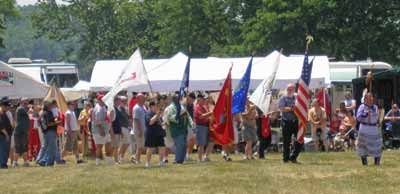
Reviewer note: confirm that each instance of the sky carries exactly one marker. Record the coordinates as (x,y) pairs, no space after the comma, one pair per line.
(28,2)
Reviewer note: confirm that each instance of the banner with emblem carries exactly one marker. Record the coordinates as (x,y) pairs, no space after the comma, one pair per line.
(133,74)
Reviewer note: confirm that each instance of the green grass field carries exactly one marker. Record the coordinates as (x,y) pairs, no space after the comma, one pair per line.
(319,173)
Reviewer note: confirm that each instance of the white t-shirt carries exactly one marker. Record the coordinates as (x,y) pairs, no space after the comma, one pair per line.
(73,121)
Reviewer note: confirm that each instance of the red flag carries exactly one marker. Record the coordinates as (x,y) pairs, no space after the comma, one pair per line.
(221,129)
(265,126)
(326,103)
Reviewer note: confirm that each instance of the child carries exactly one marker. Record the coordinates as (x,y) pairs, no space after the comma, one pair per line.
(350,127)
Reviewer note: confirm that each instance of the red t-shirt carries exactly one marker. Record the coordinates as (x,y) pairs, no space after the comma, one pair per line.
(198,111)
(335,124)
(132,104)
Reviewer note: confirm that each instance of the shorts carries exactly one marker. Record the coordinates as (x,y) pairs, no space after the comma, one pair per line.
(323,134)
(116,141)
(71,142)
(100,140)
(21,143)
(154,141)
(202,135)
(139,140)
(126,136)
(249,135)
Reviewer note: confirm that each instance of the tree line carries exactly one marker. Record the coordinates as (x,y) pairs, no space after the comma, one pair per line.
(110,29)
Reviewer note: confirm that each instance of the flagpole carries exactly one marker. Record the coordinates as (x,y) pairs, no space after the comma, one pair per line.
(190,54)
(323,93)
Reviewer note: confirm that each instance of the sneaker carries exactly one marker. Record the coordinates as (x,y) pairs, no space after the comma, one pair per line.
(26,164)
(227,158)
(161,164)
(14,165)
(80,162)
(206,159)
(97,161)
(147,165)
(165,161)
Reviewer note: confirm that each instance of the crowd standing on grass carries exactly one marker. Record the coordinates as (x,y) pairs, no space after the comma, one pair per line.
(163,124)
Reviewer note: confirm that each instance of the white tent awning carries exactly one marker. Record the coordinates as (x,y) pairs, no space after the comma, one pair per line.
(15,84)
(165,75)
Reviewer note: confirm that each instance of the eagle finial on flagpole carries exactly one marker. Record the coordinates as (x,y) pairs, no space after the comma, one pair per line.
(309,40)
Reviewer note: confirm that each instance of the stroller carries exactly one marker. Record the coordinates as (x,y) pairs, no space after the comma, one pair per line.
(341,140)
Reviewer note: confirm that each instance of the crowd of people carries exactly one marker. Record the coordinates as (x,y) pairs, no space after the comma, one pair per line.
(149,124)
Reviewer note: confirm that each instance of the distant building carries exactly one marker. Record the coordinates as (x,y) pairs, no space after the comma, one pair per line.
(64,75)
(342,73)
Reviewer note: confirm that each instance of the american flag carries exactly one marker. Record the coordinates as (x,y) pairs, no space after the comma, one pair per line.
(303,98)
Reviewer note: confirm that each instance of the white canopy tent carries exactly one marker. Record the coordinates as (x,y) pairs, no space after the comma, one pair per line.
(79,91)
(289,71)
(209,73)
(15,84)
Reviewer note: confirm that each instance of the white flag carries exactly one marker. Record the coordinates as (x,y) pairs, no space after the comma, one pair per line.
(262,96)
(133,74)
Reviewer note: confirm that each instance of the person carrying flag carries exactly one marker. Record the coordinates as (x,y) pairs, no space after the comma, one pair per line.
(289,124)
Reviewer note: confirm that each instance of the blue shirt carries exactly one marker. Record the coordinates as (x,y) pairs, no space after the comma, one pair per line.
(286,101)
(363,114)
(395,114)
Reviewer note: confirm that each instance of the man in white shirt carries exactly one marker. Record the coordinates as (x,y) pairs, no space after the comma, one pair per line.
(71,132)
(349,102)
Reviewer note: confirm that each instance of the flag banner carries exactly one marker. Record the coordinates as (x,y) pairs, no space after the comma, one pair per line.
(185,80)
(265,126)
(324,100)
(133,74)
(240,92)
(262,96)
(221,129)
(303,98)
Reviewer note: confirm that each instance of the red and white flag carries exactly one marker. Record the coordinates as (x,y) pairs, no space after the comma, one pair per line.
(303,98)
(133,74)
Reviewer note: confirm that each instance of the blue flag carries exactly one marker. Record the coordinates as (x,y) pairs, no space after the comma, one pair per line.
(240,92)
(185,80)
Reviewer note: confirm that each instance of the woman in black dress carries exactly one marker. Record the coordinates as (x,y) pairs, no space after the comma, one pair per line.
(154,134)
